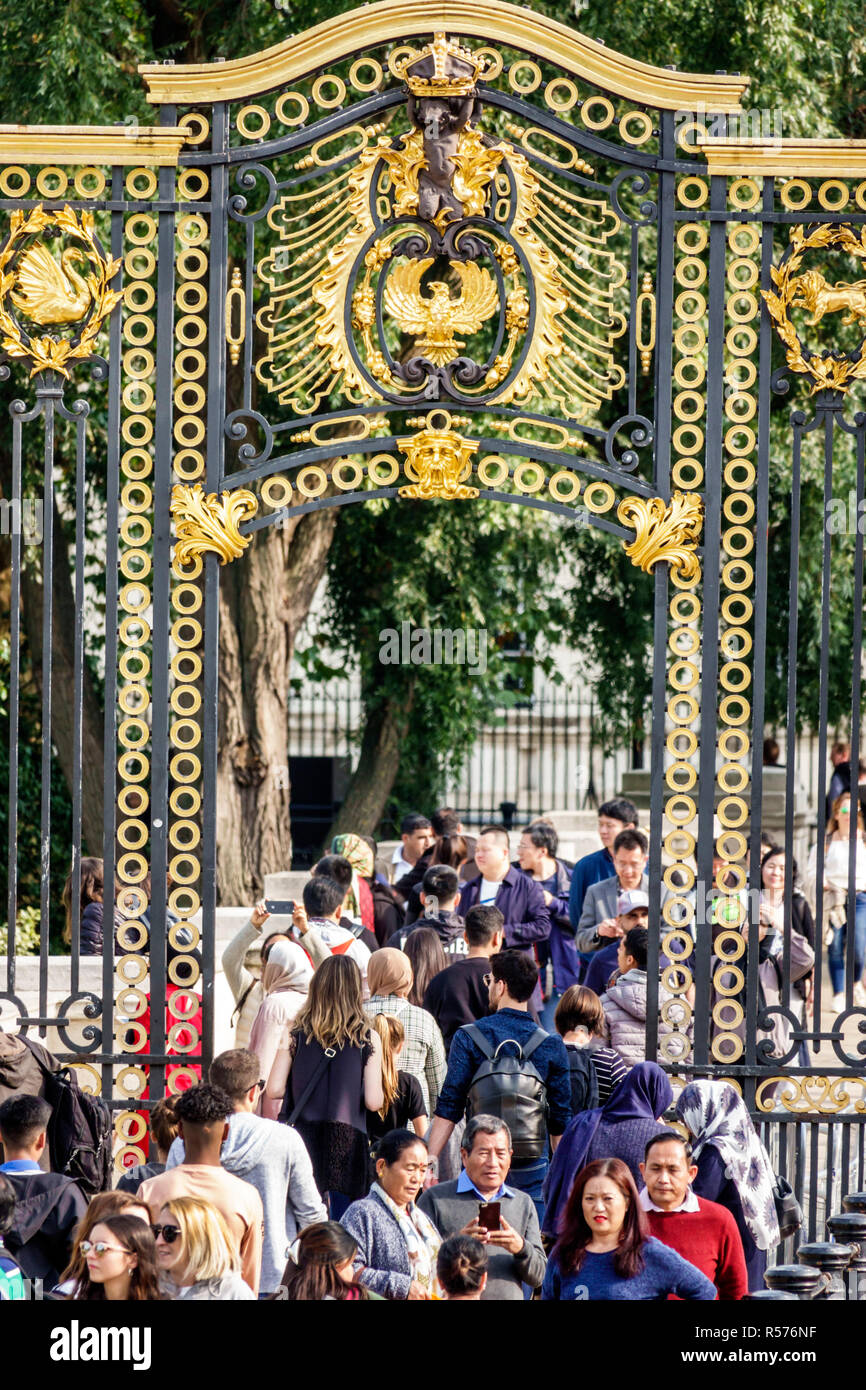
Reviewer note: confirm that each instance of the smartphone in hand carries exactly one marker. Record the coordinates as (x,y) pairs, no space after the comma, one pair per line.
(488,1216)
(280,909)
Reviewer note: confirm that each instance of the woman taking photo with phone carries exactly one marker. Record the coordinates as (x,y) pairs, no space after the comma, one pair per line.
(397,1243)
(196,1253)
(605,1251)
(286,980)
(835,904)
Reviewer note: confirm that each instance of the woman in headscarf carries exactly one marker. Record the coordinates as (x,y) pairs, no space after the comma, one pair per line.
(285,984)
(389,979)
(618,1129)
(733,1167)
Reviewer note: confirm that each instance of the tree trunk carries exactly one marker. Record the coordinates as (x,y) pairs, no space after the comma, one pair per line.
(62,673)
(264,599)
(368,791)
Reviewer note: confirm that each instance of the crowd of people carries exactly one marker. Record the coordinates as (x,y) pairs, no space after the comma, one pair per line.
(438,1091)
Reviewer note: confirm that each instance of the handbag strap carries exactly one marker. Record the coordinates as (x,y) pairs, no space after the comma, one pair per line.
(329,1053)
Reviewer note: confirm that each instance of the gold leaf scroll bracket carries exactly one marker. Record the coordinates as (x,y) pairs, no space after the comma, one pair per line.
(664,531)
(210,523)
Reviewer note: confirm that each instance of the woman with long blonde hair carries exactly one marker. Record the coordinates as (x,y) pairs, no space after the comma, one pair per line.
(197,1254)
(325,1078)
(403,1104)
(835,904)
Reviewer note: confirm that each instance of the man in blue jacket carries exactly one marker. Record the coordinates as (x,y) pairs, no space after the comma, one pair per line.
(519,898)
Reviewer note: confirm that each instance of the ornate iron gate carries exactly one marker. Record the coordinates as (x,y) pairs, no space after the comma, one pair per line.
(489,260)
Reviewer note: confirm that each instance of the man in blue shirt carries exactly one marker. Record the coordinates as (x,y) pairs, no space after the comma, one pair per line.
(613,816)
(513,977)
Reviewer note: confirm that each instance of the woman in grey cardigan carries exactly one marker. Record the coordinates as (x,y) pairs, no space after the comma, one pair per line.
(397,1243)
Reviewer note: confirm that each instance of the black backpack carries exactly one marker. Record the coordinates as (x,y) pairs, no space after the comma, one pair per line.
(79,1131)
(512,1089)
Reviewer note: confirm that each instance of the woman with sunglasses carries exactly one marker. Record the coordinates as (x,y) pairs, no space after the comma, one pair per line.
(834,905)
(101,1207)
(120,1263)
(196,1254)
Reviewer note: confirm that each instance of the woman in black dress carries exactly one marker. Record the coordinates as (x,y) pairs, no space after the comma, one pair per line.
(326,1079)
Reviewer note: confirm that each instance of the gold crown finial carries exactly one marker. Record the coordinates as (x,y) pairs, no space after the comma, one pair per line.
(443,68)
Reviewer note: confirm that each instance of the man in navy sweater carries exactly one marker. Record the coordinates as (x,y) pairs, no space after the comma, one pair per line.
(513,976)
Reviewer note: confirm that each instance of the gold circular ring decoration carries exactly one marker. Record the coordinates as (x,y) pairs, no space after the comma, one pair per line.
(185,801)
(328,103)
(735,1011)
(276,491)
(529,477)
(192,184)
(733,777)
(687,473)
(355,475)
(691,272)
(299,116)
(692,238)
(833,195)
(261,122)
(685,608)
(197,126)
(14,181)
(524,88)
(644,127)
(375,473)
(744,193)
(736,643)
(564,486)
(89,183)
(192,229)
(554,100)
(185,767)
(311,481)
(681,809)
(366,84)
(601,503)
(796,193)
(52,182)
(692,192)
(597,122)
(681,777)
(683,709)
(688,128)
(733,812)
(682,743)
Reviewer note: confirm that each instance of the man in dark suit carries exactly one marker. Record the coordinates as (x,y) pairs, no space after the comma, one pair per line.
(517,896)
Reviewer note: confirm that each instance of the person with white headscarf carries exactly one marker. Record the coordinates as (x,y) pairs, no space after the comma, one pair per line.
(285,984)
(733,1167)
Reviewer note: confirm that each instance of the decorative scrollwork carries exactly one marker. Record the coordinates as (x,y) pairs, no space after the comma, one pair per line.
(832,371)
(210,522)
(47,291)
(663,531)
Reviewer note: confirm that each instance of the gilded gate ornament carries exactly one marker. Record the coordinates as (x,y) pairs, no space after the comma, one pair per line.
(437,316)
(466,208)
(664,531)
(439,460)
(210,522)
(46,290)
(810,291)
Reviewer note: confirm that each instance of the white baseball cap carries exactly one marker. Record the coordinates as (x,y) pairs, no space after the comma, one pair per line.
(631,899)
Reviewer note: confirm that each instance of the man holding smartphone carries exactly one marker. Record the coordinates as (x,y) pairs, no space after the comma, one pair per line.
(480,1204)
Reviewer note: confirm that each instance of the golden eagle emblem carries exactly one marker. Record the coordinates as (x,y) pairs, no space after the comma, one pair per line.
(436,320)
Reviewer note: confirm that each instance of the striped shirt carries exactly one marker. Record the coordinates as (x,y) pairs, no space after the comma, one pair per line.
(610,1069)
(423,1051)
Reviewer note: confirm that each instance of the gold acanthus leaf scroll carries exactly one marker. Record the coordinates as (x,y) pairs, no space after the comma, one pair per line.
(811,292)
(210,523)
(50,292)
(664,531)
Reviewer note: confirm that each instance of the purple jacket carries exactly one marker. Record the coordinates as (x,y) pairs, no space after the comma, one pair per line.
(521,902)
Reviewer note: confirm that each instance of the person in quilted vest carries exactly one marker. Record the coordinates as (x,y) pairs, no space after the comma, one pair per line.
(624,1001)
